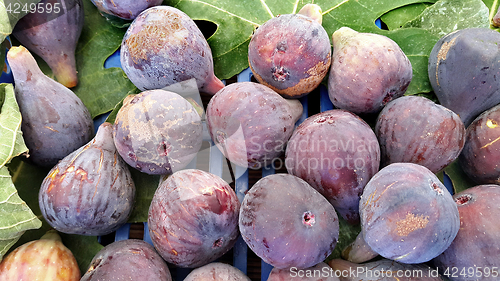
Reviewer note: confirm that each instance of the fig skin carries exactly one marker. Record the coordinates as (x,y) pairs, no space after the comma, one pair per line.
(157,132)
(216,271)
(407,214)
(46,259)
(463,70)
(274,50)
(55,121)
(287,223)
(368,71)
(337,153)
(164,46)
(54,36)
(477,244)
(125,9)
(251,124)
(414,129)
(479,157)
(193,218)
(90,191)
(129,259)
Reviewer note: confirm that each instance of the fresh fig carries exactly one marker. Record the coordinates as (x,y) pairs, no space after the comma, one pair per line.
(216,271)
(475,251)
(417,130)
(407,214)
(463,69)
(51,30)
(129,259)
(479,158)
(55,121)
(277,44)
(251,124)
(337,153)
(90,191)
(368,71)
(46,259)
(163,46)
(125,9)
(287,223)
(193,218)
(157,132)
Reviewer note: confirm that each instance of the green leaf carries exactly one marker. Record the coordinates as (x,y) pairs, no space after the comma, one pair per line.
(11,139)
(347,234)
(397,18)
(146,186)
(446,16)
(458,177)
(99,88)
(10,13)
(15,215)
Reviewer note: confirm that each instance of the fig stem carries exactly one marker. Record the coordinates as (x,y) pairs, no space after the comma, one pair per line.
(51,235)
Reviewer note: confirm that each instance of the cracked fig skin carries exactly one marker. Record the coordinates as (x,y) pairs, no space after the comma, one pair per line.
(90,191)
(157,132)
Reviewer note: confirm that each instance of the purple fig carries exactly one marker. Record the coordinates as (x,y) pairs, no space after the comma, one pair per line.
(193,218)
(275,49)
(164,46)
(368,71)
(55,121)
(216,271)
(90,191)
(463,69)
(129,259)
(51,30)
(475,252)
(43,259)
(287,223)
(125,9)
(157,132)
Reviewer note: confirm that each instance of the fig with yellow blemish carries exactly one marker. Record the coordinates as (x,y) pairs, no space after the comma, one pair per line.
(90,191)
(290,54)
(464,67)
(407,214)
(164,46)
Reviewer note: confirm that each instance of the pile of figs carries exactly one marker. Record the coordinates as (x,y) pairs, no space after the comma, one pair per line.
(371,162)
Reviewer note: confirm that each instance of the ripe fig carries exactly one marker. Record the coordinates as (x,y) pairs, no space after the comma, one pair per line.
(475,252)
(90,191)
(125,9)
(157,132)
(55,121)
(479,158)
(216,271)
(463,70)
(51,30)
(129,259)
(163,46)
(384,270)
(337,153)
(193,218)
(250,123)
(274,50)
(368,71)
(287,223)
(319,272)
(415,129)
(407,214)
(40,260)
